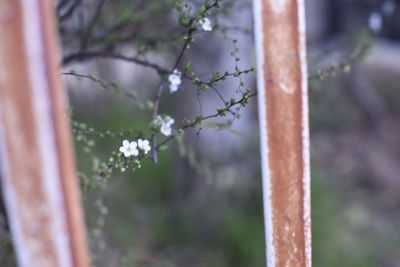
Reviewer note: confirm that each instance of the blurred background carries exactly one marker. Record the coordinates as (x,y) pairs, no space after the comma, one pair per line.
(201,205)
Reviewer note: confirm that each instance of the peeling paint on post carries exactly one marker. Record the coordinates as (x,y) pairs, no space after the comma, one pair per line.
(38,171)
(283,115)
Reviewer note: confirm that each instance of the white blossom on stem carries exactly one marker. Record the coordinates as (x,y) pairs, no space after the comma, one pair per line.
(165,124)
(144,145)
(174,80)
(206,24)
(158,121)
(129,148)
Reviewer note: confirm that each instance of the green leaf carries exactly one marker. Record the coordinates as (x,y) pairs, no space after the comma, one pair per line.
(184,22)
(188,67)
(150,104)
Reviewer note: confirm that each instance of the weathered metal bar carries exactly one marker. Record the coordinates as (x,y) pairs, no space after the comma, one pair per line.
(283,115)
(38,170)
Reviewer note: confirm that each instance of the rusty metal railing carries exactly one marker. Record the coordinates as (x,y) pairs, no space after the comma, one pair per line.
(38,171)
(283,115)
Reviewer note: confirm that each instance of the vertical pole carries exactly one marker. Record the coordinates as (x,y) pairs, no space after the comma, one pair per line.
(38,171)
(283,115)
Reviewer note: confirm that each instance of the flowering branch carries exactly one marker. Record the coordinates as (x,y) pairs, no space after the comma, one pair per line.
(134,150)
(220,112)
(360,51)
(157,96)
(191,28)
(130,154)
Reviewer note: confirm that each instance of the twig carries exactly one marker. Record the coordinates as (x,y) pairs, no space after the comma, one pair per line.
(82,56)
(102,84)
(156,99)
(195,122)
(157,96)
(88,32)
(67,13)
(61,5)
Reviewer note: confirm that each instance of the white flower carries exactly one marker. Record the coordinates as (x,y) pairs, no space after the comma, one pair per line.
(144,145)
(129,148)
(173,88)
(166,130)
(158,121)
(165,124)
(375,22)
(168,120)
(174,80)
(206,24)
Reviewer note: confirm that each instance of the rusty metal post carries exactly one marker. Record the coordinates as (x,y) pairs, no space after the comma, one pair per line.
(38,172)
(283,115)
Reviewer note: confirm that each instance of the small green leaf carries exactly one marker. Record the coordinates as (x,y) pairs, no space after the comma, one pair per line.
(184,22)
(150,104)
(188,67)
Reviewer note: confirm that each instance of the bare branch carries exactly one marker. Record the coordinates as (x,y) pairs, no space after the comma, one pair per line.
(86,37)
(69,12)
(84,56)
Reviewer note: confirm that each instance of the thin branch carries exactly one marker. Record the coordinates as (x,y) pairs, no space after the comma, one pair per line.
(83,56)
(191,29)
(157,96)
(345,65)
(67,13)
(217,79)
(103,84)
(88,32)
(156,101)
(195,122)
(219,95)
(61,5)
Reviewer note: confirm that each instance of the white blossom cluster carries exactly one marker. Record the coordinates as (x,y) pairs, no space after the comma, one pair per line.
(174,81)
(165,124)
(132,148)
(206,24)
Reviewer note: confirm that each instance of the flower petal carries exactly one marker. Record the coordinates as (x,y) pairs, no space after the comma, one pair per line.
(173,88)
(206,24)
(125,143)
(133,145)
(169,121)
(140,143)
(166,130)
(135,152)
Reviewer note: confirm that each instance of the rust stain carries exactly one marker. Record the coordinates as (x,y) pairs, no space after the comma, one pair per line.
(284,109)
